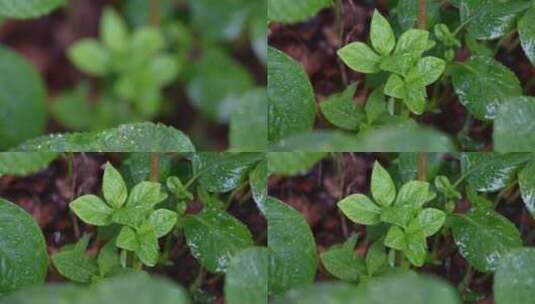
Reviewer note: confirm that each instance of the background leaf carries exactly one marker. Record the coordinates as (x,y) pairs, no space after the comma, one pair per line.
(340,109)
(23,9)
(249,123)
(514,277)
(246,280)
(292,11)
(291,163)
(23,254)
(19,163)
(291,103)
(514,127)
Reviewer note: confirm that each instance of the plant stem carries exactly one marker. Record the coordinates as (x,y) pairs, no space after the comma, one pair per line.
(154,13)
(154,167)
(422,166)
(422,16)
(465,283)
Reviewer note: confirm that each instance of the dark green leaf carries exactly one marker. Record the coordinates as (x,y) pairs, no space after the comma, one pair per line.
(321,293)
(293,259)
(23,9)
(23,255)
(342,111)
(526,31)
(341,261)
(74,264)
(513,282)
(248,123)
(291,163)
(19,163)
(482,84)
(526,182)
(514,127)
(214,237)
(408,13)
(484,237)
(258,179)
(318,141)
(291,103)
(292,11)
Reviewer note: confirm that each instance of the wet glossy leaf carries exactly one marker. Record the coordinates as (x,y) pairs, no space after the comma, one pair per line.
(491,171)
(214,237)
(515,276)
(360,209)
(526,31)
(514,127)
(341,261)
(382,186)
(292,11)
(291,103)
(490,19)
(22,99)
(222,172)
(484,237)
(23,9)
(23,254)
(246,280)
(136,137)
(92,210)
(249,123)
(482,84)
(293,259)
(526,182)
(381,34)
(258,179)
(360,57)
(319,141)
(291,163)
(340,109)
(19,163)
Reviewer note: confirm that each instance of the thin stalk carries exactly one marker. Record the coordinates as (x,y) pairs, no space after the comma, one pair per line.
(154,13)
(154,167)
(422,14)
(422,166)
(465,283)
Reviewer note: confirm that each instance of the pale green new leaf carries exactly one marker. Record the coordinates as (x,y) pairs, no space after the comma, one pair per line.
(431,220)
(113,31)
(113,187)
(414,42)
(90,56)
(414,194)
(360,209)
(395,238)
(146,194)
(163,221)
(360,57)
(127,239)
(430,68)
(395,87)
(526,183)
(381,34)
(382,186)
(92,210)
(148,250)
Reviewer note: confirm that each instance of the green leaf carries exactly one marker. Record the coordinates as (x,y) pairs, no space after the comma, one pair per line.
(382,186)
(293,11)
(258,179)
(319,141)
(113,187)
(381,34)
(127,239)
(413,42)
(246,280)
(399,63)
(132,216)
(291,102)
(395,87)
(21,164)
(430,68)
(145,194)
(341,262)
(163,221)
(431,220)
(293,259)
(90,56)
(221,20)
(482,84)
(375,106)
(342,111)
(526,182)
(413,194)
(147,41)
(490,19)
(416,249)
(23,254)
(526,32)
(249,123)
(73,109)
(217,84)
(443,184)
(514,127)
(92,210)
(23,9)
(136,137)
(375,257)
(148,250)
(404,138)
(488,172)
(513,281)
(397,215)
(108,258)
(360,209)
(214,237)
(321,293)
(360,57)
(74,264)
(484,237)
(222,172)
(178,189)
(22,99)
(292,163)
(113,31)
(415,95)
(395,238)
(407,14)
